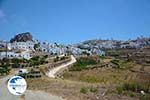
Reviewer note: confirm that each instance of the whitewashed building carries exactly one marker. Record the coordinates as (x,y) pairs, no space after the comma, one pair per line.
(23,71)
(11,55)
(29,45)
(52,48)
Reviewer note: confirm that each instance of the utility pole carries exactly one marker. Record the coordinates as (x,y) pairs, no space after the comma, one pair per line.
(6,49)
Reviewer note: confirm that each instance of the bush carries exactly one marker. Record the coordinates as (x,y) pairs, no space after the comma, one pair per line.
(36,58)
(84,90)
(136,87)
(82,63)
(145,97)
(93,89)
(56,59)
(37,61)
(36,46)
(16,60)
(115,62)
(4,69)
(102,56)
(46,56)
(133,87)
(121,64)
(131,94)
(119,90)
(62,58)
(15,65)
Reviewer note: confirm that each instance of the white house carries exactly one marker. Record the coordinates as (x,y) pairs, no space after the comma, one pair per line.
(23,71)
(11,55)
(29,45)
(52,48)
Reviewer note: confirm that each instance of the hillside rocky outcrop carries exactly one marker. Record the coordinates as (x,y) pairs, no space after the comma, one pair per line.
(22,37)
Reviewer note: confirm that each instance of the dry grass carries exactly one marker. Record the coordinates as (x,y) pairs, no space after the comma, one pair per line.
(71,90)
(65,88)
(147,69)
(76,85)
(101,75)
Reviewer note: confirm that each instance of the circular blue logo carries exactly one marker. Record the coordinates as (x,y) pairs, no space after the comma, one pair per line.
(17,85)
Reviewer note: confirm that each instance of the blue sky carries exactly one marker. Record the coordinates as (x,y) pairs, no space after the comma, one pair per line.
(71,21)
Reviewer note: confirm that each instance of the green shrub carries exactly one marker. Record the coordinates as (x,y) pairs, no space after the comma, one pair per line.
(36,58)
(131,94)
(119,90)
(4,69)
(115,62)
(132,88)
(82,63)
(93,89)
(16,60)
(84,90)
(46,56)
(121,64)
(102,56)
(36,46)
(56,59)
(136,87)
(144,97)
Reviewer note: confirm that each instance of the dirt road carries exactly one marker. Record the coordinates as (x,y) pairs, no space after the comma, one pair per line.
(53,71)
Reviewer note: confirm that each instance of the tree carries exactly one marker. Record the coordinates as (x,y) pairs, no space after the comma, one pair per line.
(4,69)
(36,46)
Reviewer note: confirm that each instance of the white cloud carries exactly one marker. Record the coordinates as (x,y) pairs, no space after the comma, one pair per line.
(2,14)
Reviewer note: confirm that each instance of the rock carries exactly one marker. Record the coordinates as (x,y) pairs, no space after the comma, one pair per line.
(142,92)
(23,37)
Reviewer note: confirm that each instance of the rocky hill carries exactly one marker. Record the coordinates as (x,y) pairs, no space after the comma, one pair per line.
(22,37)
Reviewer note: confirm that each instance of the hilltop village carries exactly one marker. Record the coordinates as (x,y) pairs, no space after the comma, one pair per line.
(23,46)
(90,70)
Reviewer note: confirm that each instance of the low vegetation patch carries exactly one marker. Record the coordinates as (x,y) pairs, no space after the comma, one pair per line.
(60,58)
(34,61)
(91,89)
(121,64)
(83,63)
(4,69)
(134,89)
(97,75)
(84,90)
(90,79)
